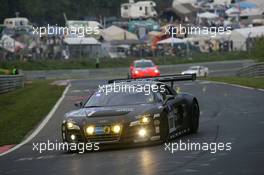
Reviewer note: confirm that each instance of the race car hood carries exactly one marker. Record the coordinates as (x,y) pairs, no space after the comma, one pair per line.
(111,114)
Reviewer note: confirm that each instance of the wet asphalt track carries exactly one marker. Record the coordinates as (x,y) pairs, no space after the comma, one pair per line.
(228,114)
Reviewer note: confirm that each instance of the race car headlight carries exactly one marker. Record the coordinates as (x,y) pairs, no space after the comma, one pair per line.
(142,132)
(73,137)
(116,129)
(142,120)
(72,125)
(156,71)
(90,130)
(145,120)
(136,72)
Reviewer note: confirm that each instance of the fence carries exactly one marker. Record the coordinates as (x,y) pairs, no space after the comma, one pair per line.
(254,70)
(10,82)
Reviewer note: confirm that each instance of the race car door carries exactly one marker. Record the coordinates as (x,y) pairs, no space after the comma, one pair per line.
(175,110)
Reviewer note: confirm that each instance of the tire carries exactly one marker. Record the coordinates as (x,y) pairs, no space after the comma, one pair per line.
(128,76)
(194,124)
(205,74)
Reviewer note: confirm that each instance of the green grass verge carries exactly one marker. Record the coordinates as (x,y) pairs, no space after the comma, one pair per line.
(89,63)
(255,82)
(4,72)
(22,109)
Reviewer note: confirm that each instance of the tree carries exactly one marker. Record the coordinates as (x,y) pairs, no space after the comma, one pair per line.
(51,11)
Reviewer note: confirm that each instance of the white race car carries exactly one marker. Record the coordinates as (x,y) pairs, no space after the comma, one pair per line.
(200,71)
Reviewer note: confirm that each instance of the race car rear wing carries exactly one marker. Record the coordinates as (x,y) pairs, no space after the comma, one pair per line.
(163,78)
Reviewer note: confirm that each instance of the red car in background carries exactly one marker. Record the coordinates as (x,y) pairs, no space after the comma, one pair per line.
(143,68)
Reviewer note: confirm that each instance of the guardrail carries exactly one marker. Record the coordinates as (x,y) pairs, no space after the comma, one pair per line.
(254,70)
(10,82)
(219,68)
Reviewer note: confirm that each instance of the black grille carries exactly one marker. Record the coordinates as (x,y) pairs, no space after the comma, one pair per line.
(103,138)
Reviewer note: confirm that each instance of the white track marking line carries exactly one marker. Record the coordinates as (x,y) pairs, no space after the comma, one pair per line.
(42,124)
(261,90)
(240,86)
(236,85)
(205,82)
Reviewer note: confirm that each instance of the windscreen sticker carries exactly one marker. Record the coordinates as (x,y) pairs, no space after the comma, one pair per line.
(89,113)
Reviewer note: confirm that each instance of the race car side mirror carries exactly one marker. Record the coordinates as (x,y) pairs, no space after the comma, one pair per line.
(78,104)
(168,98)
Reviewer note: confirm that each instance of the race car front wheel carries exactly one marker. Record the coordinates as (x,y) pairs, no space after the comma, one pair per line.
(195,118)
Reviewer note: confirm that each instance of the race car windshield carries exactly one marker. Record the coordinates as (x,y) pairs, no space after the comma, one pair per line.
(119,99)
(193,68)
(144,64)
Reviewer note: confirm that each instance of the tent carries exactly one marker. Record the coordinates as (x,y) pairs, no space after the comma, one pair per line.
(232,10)
(247,5)
(81,41)
(240,36)
(244,12)
(207,15)
(259,3)
(114,33)
(251,12)
(171,41)
(83,47)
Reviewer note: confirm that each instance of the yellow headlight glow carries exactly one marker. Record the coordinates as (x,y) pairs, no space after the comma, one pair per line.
(73,137)
(116,129)
(69,125)
(145,120)
(142,132)
(90,130)
(72,125)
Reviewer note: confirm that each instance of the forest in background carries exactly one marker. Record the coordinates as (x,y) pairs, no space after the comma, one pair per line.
(51,11)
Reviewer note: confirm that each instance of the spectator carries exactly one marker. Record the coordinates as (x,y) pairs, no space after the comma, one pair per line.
(15,71)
